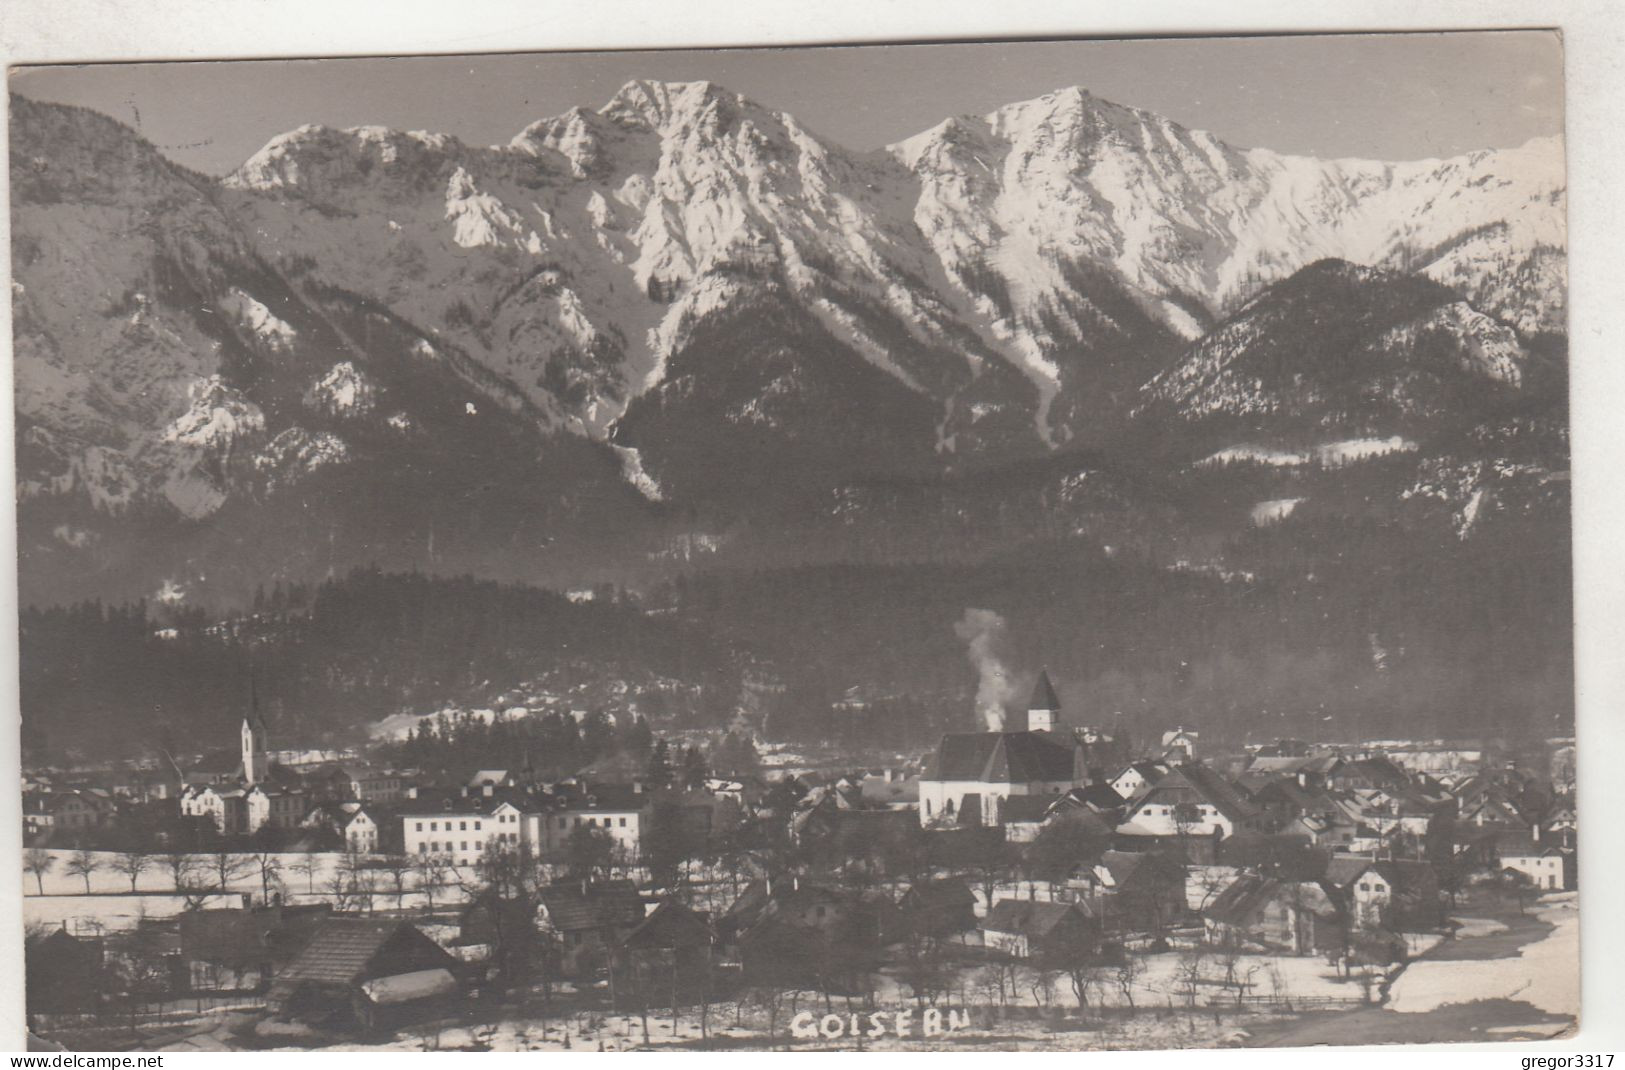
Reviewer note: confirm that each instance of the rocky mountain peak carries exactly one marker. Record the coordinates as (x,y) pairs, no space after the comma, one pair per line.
(663,106)
(316,160)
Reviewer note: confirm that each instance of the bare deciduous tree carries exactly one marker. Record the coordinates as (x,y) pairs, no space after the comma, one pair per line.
(1188,974)
(82,864)
(179,866)
(132,863)
(431,872)
(226,866)
(39,862)
(397,866)
(1127,976)
(306,866)
(269,865)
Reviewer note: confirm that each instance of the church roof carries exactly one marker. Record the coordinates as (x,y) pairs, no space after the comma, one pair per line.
(1002,758)
(1044,694)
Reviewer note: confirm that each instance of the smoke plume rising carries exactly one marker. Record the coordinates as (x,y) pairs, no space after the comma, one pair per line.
(983,633)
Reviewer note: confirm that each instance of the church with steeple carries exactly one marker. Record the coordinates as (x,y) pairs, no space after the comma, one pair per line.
(972,774)
(256,793)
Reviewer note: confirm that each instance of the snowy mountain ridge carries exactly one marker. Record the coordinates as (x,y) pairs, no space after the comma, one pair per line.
(668,183)
(683,277)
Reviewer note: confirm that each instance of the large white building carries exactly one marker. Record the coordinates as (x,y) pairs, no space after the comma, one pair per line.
(464,829)
(619,813)
(462,834)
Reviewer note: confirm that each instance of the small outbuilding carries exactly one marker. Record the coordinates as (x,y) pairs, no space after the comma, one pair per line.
(1297,917)
(1024,928)
(357,973)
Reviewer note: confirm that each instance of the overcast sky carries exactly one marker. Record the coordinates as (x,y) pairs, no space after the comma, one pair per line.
(1396,97)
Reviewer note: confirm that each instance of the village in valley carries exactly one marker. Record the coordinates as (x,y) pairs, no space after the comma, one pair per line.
(1010,545)
(1043,883)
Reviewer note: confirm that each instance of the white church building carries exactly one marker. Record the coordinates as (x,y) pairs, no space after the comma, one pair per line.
(973,773)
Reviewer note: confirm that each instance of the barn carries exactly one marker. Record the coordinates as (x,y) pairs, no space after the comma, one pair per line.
(357,974)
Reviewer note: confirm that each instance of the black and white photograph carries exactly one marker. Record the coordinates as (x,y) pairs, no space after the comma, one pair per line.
(1054,545)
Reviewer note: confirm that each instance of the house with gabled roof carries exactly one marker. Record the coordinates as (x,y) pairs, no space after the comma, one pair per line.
(1136,778)
(1375,771)
(355,973)
(1543,864)
(1145,889)
(1097,800)
(366,829)
(1492,808)
(1192,800)
(1179,743)
(79,809)
(1395,894)
(1282,798)
(1030,928)
(674,942)
(589,919)
(1560,828)
(1297,917)
(792,929)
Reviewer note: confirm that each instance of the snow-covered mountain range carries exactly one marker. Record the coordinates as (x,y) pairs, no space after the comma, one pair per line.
(633,301)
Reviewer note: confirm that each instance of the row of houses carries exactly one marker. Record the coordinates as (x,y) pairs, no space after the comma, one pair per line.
(1345,799)
(359,807)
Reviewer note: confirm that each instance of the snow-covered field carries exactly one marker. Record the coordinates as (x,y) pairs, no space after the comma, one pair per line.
(111,906)
(1545,974)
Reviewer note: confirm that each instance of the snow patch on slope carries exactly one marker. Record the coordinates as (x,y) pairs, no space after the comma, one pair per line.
(260,319)
(1273,511)
(1254,455)
(1353,450)
(479,219)
(633,472)
(343,390)
(1489,348)
(275,166)
(217,416)
(296,452)
(710,295)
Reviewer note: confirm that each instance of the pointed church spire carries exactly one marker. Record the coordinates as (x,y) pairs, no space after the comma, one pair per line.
(1044,695)
(1043,709)
(256,762)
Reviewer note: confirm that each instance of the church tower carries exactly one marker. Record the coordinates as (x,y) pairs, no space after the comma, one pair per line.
(256,762)
(1044,709)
